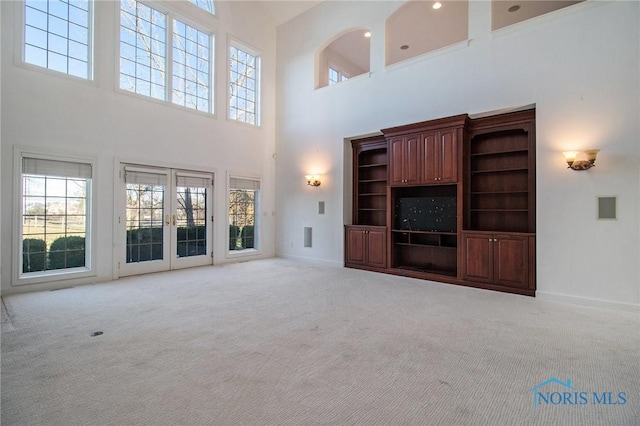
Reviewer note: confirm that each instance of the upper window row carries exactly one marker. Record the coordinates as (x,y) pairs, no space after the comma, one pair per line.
(160,57)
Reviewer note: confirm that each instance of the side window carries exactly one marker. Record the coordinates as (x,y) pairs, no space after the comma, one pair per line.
(143,39)
(244,197)
(55,216)
(191,67)
(57,36)
(244,85)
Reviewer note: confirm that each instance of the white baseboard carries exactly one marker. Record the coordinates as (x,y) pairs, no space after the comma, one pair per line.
(312,260)
(586,301)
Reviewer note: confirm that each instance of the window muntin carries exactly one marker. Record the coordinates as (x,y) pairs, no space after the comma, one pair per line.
(205,5)
(182,74)
(243,206)
(191,67)
(336,76)
(57,36)
(191,213)
(142,49)
(55,216)
(244,82)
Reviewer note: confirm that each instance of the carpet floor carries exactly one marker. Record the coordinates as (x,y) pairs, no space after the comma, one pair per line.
(279,342)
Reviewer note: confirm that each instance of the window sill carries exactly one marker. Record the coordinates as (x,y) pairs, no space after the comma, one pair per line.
(52,276)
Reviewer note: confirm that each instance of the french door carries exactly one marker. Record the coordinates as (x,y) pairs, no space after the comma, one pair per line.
(166,222)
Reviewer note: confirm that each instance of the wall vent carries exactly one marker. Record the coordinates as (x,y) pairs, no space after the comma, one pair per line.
(607,208)
(307,236)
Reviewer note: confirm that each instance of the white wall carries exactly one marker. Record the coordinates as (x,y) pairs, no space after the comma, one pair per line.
(57,114)
(579,66)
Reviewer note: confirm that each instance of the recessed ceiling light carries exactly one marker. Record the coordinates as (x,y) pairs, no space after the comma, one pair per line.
(367,34)
(437,5)
(404,47)
(514,8)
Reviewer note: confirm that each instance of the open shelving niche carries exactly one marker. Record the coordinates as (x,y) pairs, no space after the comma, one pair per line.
(430,243)
(499,196)
(371,179)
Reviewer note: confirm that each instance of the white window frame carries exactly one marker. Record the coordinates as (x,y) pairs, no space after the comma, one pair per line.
(231,42)
(257,225)
(213,6)
(342,75)
(191,15)
(90,240)
(19,45)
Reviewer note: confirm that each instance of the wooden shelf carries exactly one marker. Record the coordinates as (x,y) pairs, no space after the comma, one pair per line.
(498,153)
(493,171)
(426,245)
(372,180)
(364,166)
(373,194)
(501,210)
(437,271)
(408,231)
(499,192)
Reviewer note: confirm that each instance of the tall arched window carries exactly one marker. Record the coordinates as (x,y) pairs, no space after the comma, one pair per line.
(206,5)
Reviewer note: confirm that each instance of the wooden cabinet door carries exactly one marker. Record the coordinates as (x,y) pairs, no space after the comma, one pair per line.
(396,150)
(411,161)
(356,244)
(478,257)
(376,250)
(430,158)
(404,158)
(448,156)
(440,157)
(511,260)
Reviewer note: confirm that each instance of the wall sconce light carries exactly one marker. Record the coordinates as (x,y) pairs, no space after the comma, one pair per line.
(574,164)
(313,180)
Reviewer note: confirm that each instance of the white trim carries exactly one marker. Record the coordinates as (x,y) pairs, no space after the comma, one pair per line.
(173,11)
(547,17)
(428,55)
(313,260)
(16,246)
(587,301)
(251,252)
(18,47)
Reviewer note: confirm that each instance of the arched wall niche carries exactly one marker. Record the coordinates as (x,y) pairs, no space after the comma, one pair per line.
(348,52)
(416,28)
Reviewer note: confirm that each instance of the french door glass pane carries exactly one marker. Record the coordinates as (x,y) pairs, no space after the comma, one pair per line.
(191,221)
(144,222)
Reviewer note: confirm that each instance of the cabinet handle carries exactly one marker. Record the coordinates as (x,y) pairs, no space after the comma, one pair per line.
(166,220)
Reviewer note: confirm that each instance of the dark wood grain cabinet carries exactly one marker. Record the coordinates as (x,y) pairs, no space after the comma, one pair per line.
(449,200)
(501,259)
(366,237)
(370,181)
(440,157)
(404,166)
(426,153)
(366,246)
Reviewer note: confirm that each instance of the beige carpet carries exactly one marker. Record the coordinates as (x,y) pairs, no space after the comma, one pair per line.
(280,342)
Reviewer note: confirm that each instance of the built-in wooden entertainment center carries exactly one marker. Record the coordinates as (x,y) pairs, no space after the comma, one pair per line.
(449,200)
